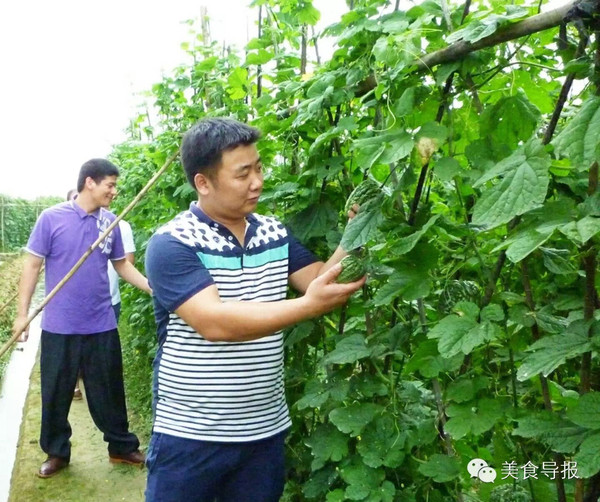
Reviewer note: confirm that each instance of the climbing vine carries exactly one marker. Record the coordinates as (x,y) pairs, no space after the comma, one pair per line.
(476,335)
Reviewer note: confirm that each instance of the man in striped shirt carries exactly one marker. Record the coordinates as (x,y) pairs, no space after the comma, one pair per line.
(219,273)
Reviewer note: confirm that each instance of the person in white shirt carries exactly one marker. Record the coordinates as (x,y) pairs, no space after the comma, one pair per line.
(113,277)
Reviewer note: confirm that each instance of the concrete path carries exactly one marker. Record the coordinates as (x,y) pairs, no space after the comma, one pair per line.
(12,399)
(89,477)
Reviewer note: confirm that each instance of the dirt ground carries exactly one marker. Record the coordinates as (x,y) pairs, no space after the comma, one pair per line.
(89,477)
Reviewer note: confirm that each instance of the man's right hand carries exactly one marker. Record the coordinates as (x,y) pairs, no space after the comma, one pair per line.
(324,294)
(20,325)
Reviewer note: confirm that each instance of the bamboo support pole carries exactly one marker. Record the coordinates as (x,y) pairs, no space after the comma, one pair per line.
(85,256)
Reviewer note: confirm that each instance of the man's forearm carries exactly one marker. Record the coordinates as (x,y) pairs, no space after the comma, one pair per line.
(132,275)
(243,321)
(216,320)
(29,278)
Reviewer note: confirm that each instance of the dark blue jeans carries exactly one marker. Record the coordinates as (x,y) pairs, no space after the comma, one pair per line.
(189,470)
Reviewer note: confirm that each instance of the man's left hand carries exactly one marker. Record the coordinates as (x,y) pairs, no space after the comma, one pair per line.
(353,211)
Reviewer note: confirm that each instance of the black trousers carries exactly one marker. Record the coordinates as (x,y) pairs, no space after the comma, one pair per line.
(98,357)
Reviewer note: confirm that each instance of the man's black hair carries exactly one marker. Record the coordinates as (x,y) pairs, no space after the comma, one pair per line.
(203,145)
(97,169)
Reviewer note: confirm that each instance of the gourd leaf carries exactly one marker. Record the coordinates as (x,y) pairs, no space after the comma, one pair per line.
(523,187)
(586,412)
(580,137)
(361,480)
(461,334)
(559,434)
(583,230)
(473,419)
(327,443)
(588,457)
(406,244)
(382,443)
(552,351)
(363,226)
(526,243)
(348,350)
(441,468)
(353,419)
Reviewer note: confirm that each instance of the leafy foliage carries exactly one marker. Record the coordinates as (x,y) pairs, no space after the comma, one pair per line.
(476,335)
(10,272)
(17,217)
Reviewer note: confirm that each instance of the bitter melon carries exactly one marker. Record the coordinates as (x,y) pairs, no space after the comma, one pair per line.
(353,269)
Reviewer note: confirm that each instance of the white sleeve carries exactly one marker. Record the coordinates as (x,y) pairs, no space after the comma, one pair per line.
(127,236)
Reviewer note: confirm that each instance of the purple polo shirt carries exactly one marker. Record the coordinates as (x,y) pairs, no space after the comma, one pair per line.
(61,235)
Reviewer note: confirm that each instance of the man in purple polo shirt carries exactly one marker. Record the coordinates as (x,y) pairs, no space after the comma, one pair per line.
(79,329)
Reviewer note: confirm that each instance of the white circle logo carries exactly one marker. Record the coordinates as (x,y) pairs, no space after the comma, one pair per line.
(479,468)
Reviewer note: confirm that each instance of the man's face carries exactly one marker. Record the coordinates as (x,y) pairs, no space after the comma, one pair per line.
(238,182)
(105,191)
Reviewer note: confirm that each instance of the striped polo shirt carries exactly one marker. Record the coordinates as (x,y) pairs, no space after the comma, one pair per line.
(219,391)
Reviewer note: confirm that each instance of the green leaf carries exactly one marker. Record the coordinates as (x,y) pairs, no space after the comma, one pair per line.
(406,244)
(395,23)
(474,419)
(526,243)
(382,443)
(382,148)
(523,187)
(557,261)
(461,334)
(433,130)
(320,85)
(237,81)
(320,482)
(314,221)
(308,14)
(581,136)
(337,495)
(586,412)
(260,57)
(353,419)
(588,457)
(447,168)
(405,104)
(511,120)
(361,480)
(492,312)
(441,468)
(327,443)
(559,434)
(466,389)
(348,350)
(317,393)
(409,284)
(444,71)
(363,226)
(481,28)
(206,64)
(397,147)
(550,352)
(428,361)
(299,333)
(583,230)
(466,308)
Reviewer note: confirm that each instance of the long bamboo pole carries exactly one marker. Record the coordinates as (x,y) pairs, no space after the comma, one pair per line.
(85,256)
